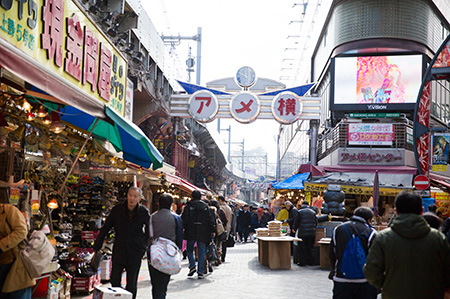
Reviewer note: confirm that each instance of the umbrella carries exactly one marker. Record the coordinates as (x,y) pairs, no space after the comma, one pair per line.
(125,136)
(376,193)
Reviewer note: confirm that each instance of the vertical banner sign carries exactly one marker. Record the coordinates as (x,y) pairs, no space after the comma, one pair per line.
(370,134)
(440,151)
(35,202)
(62,39)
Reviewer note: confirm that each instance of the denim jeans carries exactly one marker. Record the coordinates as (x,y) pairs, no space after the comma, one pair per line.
(201,247)
(20,294)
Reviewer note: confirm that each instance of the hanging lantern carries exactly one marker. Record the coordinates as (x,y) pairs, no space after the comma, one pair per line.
(52,204)
(41,112)
(57,126)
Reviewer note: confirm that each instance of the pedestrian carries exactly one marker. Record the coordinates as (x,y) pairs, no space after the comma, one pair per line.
(305,227)
(254,222)
(238,212)
(245,222)
(199,228)
(15,282)
(291,216)
(265,218)
(229,217)
(409,259)
(283,215)
(130,222)
(169,225)
(358,225)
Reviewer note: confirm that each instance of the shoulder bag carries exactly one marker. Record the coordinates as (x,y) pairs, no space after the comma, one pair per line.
(164,254)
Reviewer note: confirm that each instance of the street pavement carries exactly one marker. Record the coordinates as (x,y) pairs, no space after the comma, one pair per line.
(242,276)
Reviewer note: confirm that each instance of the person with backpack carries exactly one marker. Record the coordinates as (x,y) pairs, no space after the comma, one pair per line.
(348,251)
(199,226)
(409,259)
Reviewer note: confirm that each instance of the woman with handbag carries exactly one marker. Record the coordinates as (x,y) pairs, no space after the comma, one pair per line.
(168,225)
(15,282)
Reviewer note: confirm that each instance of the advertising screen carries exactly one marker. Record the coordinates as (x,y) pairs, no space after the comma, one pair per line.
(377,82)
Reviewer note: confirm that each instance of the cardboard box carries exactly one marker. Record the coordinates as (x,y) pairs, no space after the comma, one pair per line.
(111,293)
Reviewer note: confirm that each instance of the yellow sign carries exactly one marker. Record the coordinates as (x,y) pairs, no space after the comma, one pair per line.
(348,189)
(61,38)
(14,195)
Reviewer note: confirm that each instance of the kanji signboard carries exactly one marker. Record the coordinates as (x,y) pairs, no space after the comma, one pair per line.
(62,39)
(245,107)
(203,106)
(287,107)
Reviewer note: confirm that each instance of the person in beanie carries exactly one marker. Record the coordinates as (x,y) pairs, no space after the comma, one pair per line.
(409,259)
(358,225)
(199,227)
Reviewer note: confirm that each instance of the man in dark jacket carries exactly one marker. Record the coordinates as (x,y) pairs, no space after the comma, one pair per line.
(130,222)
(198,227)
(292,216)
(358,225)
(305,224)
(169,225)
(245,221)
(409,259)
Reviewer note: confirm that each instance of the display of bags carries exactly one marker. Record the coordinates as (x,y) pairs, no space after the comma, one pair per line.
(165,255)
(37,254)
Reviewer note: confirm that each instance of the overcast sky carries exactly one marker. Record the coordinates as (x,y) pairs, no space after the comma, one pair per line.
(234,33)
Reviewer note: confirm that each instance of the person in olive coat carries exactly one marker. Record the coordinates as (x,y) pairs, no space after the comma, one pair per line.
(130,221)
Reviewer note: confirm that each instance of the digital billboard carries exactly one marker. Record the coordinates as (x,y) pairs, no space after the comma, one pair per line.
(376,82)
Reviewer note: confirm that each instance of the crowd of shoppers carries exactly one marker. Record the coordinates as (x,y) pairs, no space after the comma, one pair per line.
(409,259)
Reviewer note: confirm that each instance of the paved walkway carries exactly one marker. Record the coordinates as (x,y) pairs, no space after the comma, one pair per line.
(241,276)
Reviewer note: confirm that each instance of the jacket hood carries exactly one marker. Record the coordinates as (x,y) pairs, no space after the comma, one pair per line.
(198,204)
(410,226)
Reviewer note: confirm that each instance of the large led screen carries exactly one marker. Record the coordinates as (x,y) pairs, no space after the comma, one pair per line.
(381,80)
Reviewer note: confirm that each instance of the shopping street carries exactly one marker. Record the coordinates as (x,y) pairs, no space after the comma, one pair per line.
(242,276)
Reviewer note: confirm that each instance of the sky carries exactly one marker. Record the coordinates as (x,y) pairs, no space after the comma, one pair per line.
(235,33)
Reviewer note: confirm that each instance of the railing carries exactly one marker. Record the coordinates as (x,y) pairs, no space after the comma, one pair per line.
(337,138)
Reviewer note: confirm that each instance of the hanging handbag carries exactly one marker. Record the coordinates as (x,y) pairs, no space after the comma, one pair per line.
(211,254)
(230,241)
(37,254)
(164,254)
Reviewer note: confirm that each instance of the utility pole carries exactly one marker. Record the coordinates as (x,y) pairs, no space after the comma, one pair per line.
(243,155)
(175,40)
(229,139)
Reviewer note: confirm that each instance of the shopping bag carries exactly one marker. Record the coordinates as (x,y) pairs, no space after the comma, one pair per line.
(95,261)
(37,254)
(165,256)
(211,254)
(230,241)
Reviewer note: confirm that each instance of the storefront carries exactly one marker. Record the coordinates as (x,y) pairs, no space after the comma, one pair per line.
(59,72)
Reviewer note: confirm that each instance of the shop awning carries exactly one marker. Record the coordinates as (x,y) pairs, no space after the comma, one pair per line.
(294,182)
(183,184)
(28,69)
(440,181)
(125,136)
